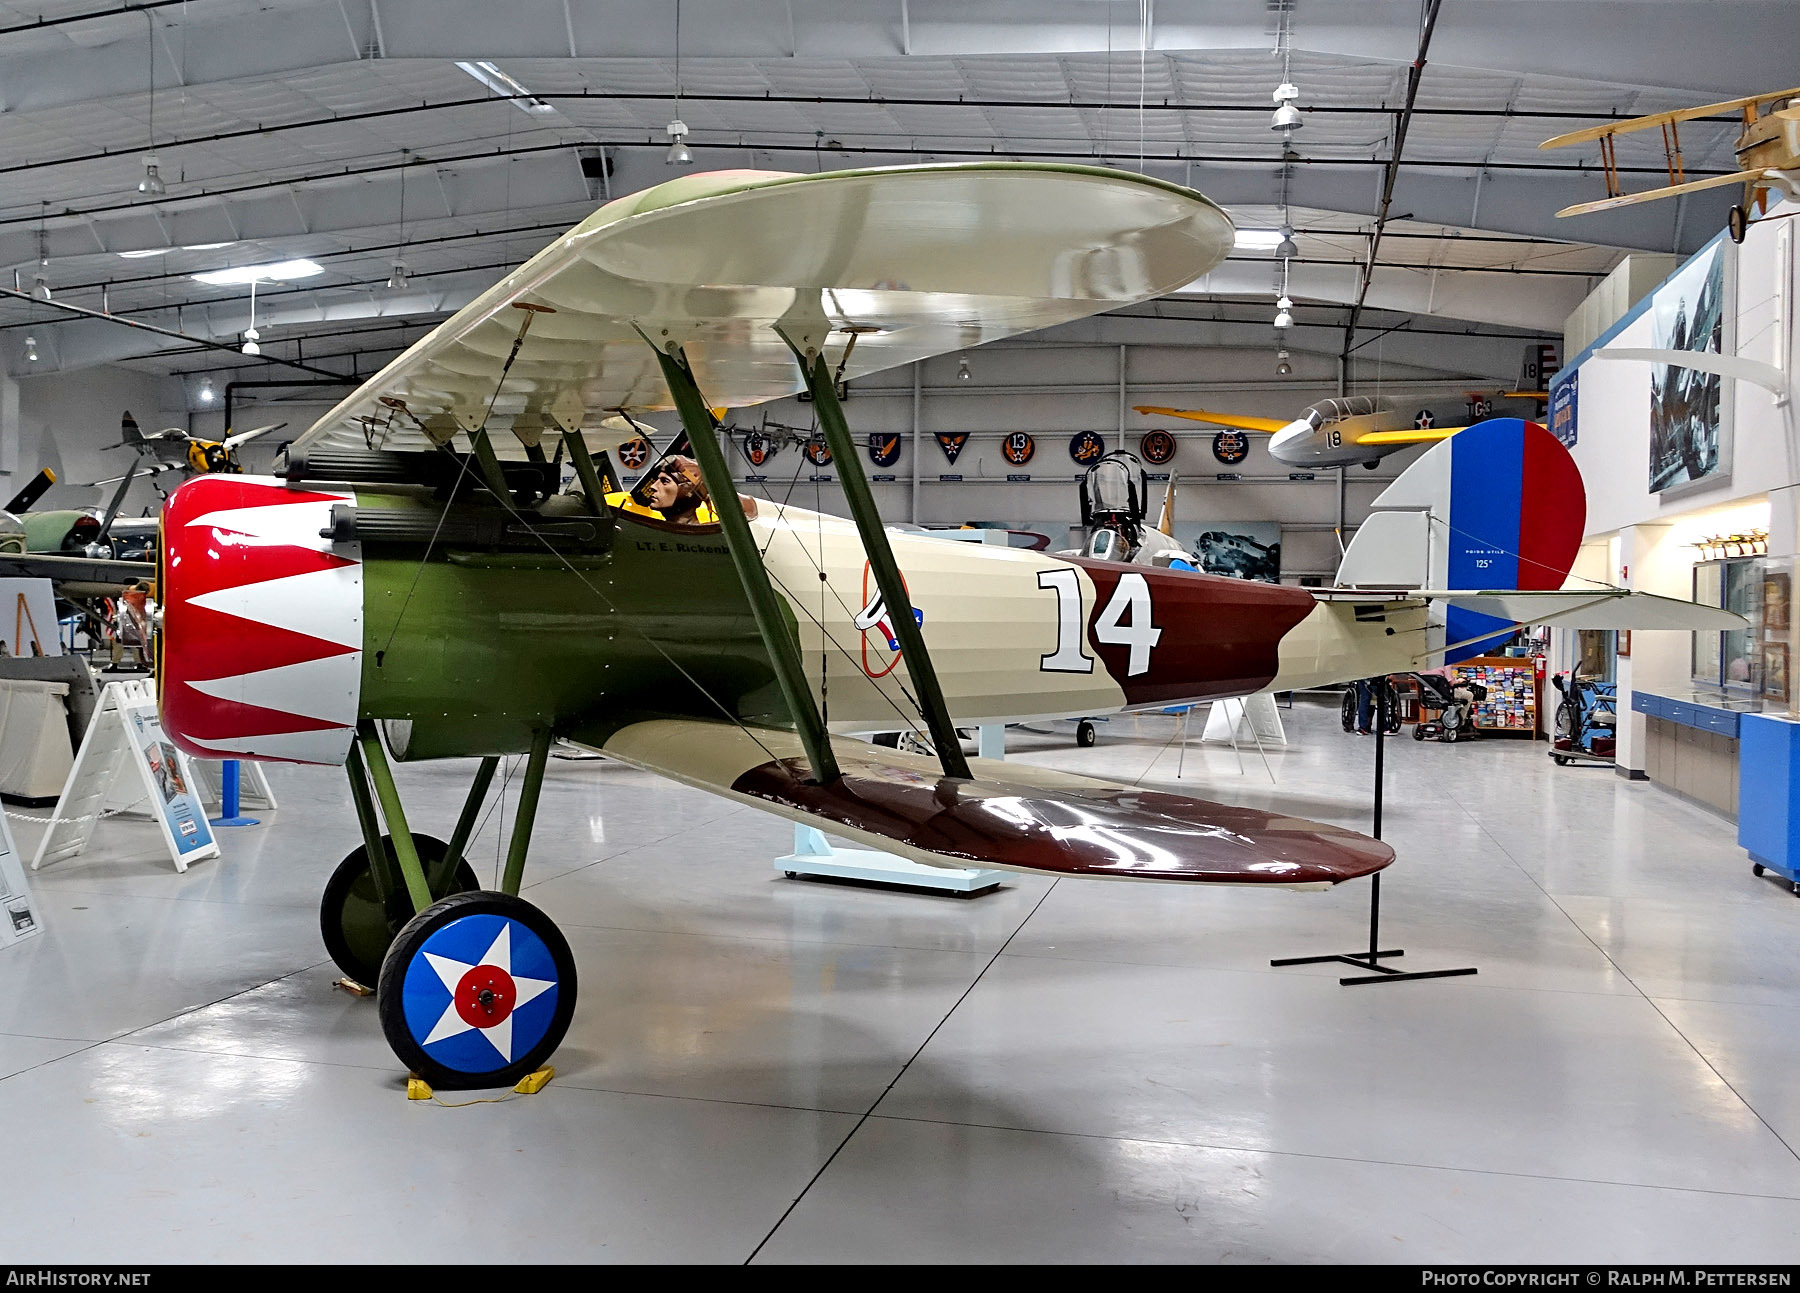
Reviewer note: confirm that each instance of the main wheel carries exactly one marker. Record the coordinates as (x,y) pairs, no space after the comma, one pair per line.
(1418,731)
(1085,735)
(1737,223)
(477,991)
(357,926)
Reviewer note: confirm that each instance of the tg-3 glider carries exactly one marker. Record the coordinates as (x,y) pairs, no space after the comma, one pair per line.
(417,586)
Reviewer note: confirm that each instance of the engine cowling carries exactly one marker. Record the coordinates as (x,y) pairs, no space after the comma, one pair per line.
(261,646)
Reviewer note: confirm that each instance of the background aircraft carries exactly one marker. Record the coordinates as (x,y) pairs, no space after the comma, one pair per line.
(1767,149)
(173,449)
(1350,429)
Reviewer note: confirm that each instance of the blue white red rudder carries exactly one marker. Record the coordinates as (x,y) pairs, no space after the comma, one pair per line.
(1499,506)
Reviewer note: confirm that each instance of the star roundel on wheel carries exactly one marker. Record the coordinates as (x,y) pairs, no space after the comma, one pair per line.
(481,992)
(633,454)
(1231,446)
(1018,448)
(1157,447)
(818,453)
(1087,447)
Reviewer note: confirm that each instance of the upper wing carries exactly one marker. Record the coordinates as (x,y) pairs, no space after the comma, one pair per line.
(1216,419)
(1662,119)
(1010,815)
(914,261)
(1409,435)
(1655,195)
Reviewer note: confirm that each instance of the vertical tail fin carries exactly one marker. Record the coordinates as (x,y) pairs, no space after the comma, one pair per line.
(1498,506)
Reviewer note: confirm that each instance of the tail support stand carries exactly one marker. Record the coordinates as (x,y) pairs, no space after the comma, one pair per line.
(231,797)
(1371,959)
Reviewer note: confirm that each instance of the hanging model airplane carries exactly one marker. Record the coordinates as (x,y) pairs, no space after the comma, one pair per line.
(1351,429)
(411,579)
(1767,149)
(173,449)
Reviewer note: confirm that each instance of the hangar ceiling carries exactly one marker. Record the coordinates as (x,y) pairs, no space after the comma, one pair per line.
(346,132)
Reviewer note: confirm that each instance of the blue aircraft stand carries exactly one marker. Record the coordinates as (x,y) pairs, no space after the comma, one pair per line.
(231,796)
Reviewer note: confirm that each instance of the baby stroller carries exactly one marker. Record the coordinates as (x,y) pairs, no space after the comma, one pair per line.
(1586,721)
(1454,703)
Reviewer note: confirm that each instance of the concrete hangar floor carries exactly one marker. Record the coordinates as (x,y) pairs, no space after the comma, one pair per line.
(776,1070)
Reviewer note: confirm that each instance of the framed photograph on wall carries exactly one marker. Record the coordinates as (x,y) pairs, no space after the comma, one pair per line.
(1623,649)
(1690,411)
(1775,671)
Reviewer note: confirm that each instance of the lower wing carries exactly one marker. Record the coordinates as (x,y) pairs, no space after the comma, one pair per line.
(1216,419)
(1413,435)
(1654,195)
(1008,815)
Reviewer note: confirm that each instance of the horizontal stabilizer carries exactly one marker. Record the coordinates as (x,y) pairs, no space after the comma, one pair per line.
(1008,815)
(1240,420)
(1567,608)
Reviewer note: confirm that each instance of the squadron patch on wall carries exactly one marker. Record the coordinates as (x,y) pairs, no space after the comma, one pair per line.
(952,442)
(1231,446)
(1087,447)
(1157,447)
(818,453)
(1018,448)
(758,448)
(633,454)
(884,448)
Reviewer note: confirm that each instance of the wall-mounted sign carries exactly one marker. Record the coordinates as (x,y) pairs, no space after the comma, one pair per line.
(818,453)
(1564,402)
(1087,447)
(1018,448)
(1228,475)
(633,454)
(952,442)
(1157,447)
(1015,477)
(950,477)
(881,479)
(1231,446)
(1301,475)
(884,448)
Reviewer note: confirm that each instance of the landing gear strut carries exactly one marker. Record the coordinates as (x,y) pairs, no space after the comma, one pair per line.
(474,987)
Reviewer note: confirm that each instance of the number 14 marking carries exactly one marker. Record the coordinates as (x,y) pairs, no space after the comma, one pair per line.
(1126,622)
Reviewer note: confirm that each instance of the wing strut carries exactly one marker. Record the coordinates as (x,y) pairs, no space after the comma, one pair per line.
(784,651)
(881,556)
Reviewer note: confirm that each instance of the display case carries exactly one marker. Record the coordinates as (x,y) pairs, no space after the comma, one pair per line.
(1734,659)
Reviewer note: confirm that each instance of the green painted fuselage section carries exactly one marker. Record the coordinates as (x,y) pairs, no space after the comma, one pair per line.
(466,652)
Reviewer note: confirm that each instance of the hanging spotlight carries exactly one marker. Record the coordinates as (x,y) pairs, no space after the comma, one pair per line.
(40,286)
(1287,248)
(152,183)
(1282,367)
(962,368)
(1283,319)
(251,337)
(397,279)
(31,354)
(678,149)
(206,389)
(40,281)
(1287,116)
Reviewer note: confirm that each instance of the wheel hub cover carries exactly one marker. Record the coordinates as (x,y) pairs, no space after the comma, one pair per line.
(476,956)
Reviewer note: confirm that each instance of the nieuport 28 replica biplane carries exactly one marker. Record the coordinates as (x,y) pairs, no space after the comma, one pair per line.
(1767,150)
(417,583)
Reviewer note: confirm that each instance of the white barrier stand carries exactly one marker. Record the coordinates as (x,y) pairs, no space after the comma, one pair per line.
(126,729)
(253,789)
(18,920)
(814,856)
(1253,718)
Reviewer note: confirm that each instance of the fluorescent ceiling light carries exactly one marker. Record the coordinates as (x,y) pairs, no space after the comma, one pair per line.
(500,83)
(164,251)
(1258,239)
(281,271)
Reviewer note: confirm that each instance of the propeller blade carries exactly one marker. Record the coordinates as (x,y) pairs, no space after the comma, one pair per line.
(233,441)
(34,490)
